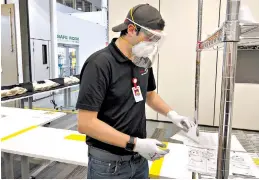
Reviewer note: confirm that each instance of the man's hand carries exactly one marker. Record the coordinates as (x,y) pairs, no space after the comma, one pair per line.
(149,149)
(183,122)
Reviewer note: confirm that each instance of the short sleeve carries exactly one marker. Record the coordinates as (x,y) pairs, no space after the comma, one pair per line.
(151,81)
(94,83)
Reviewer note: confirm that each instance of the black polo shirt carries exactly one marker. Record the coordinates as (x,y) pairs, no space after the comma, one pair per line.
(106,87)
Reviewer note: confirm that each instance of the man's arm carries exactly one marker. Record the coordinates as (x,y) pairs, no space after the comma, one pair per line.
(157,103)
(89,124)
(94,83)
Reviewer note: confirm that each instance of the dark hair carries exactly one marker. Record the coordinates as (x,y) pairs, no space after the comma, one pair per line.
(161,24)
(125,31)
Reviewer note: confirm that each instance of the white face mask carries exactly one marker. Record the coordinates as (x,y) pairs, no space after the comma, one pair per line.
(144,54)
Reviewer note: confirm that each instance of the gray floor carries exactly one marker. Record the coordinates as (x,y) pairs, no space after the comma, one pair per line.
(158,130)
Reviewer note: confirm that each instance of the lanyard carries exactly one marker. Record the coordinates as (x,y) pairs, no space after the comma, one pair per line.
(134,78)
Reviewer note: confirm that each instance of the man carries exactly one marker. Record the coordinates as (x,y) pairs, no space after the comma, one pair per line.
(116,82)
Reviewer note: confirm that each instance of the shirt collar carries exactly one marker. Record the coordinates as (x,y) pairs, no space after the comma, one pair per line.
(119,56)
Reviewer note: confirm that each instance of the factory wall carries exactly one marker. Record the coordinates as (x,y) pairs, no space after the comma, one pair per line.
(92,36)
(175,68)
(39,12)
(95,17)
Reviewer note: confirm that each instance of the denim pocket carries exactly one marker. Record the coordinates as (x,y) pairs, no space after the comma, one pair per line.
(100,167)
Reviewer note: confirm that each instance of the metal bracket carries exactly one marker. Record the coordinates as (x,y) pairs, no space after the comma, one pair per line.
(231,31)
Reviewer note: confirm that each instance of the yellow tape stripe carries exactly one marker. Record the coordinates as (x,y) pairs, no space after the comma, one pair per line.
(18,133)
(256,161)
(154,171)
(53,110)
(76,137)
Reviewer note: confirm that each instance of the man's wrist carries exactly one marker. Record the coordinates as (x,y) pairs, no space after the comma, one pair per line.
(130,145)
(169,111)
(172,114)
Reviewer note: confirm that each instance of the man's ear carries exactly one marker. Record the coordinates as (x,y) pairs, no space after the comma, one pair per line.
(131,29)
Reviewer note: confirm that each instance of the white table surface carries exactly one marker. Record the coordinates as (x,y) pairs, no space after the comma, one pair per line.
(175,163)
(17,119)
(50,144)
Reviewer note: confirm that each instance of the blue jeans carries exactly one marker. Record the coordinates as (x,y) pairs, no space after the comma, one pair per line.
(136,168)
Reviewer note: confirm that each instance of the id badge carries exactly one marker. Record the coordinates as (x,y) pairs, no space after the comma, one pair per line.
(137,94)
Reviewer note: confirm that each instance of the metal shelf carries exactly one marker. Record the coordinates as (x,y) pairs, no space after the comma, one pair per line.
(235,36)
(249,36)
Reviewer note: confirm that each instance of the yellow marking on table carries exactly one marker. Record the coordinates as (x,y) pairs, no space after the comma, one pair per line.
(18,133)
(54,110)
(49,112)
(155,169)
(76,137)
(256,161)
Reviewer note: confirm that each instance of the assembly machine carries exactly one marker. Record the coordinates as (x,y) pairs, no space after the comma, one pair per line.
(234,35)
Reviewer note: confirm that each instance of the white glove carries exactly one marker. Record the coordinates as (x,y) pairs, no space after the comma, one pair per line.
(183,122)
(149,149)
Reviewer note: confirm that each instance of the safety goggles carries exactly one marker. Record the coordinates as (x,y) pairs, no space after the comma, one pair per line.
(151,35)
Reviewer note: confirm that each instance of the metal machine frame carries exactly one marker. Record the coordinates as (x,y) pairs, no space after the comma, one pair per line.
(231,35)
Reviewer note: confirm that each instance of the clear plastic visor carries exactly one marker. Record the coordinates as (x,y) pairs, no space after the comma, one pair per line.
(151,35)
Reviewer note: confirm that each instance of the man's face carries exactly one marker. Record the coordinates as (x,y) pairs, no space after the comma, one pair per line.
(136,38)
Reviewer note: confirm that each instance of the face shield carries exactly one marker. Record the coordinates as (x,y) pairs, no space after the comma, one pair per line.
(144,53)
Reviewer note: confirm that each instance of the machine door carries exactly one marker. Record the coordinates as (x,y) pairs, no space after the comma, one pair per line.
(9,68)
(67,60)
(64,69)
(73,60)
(40,60)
